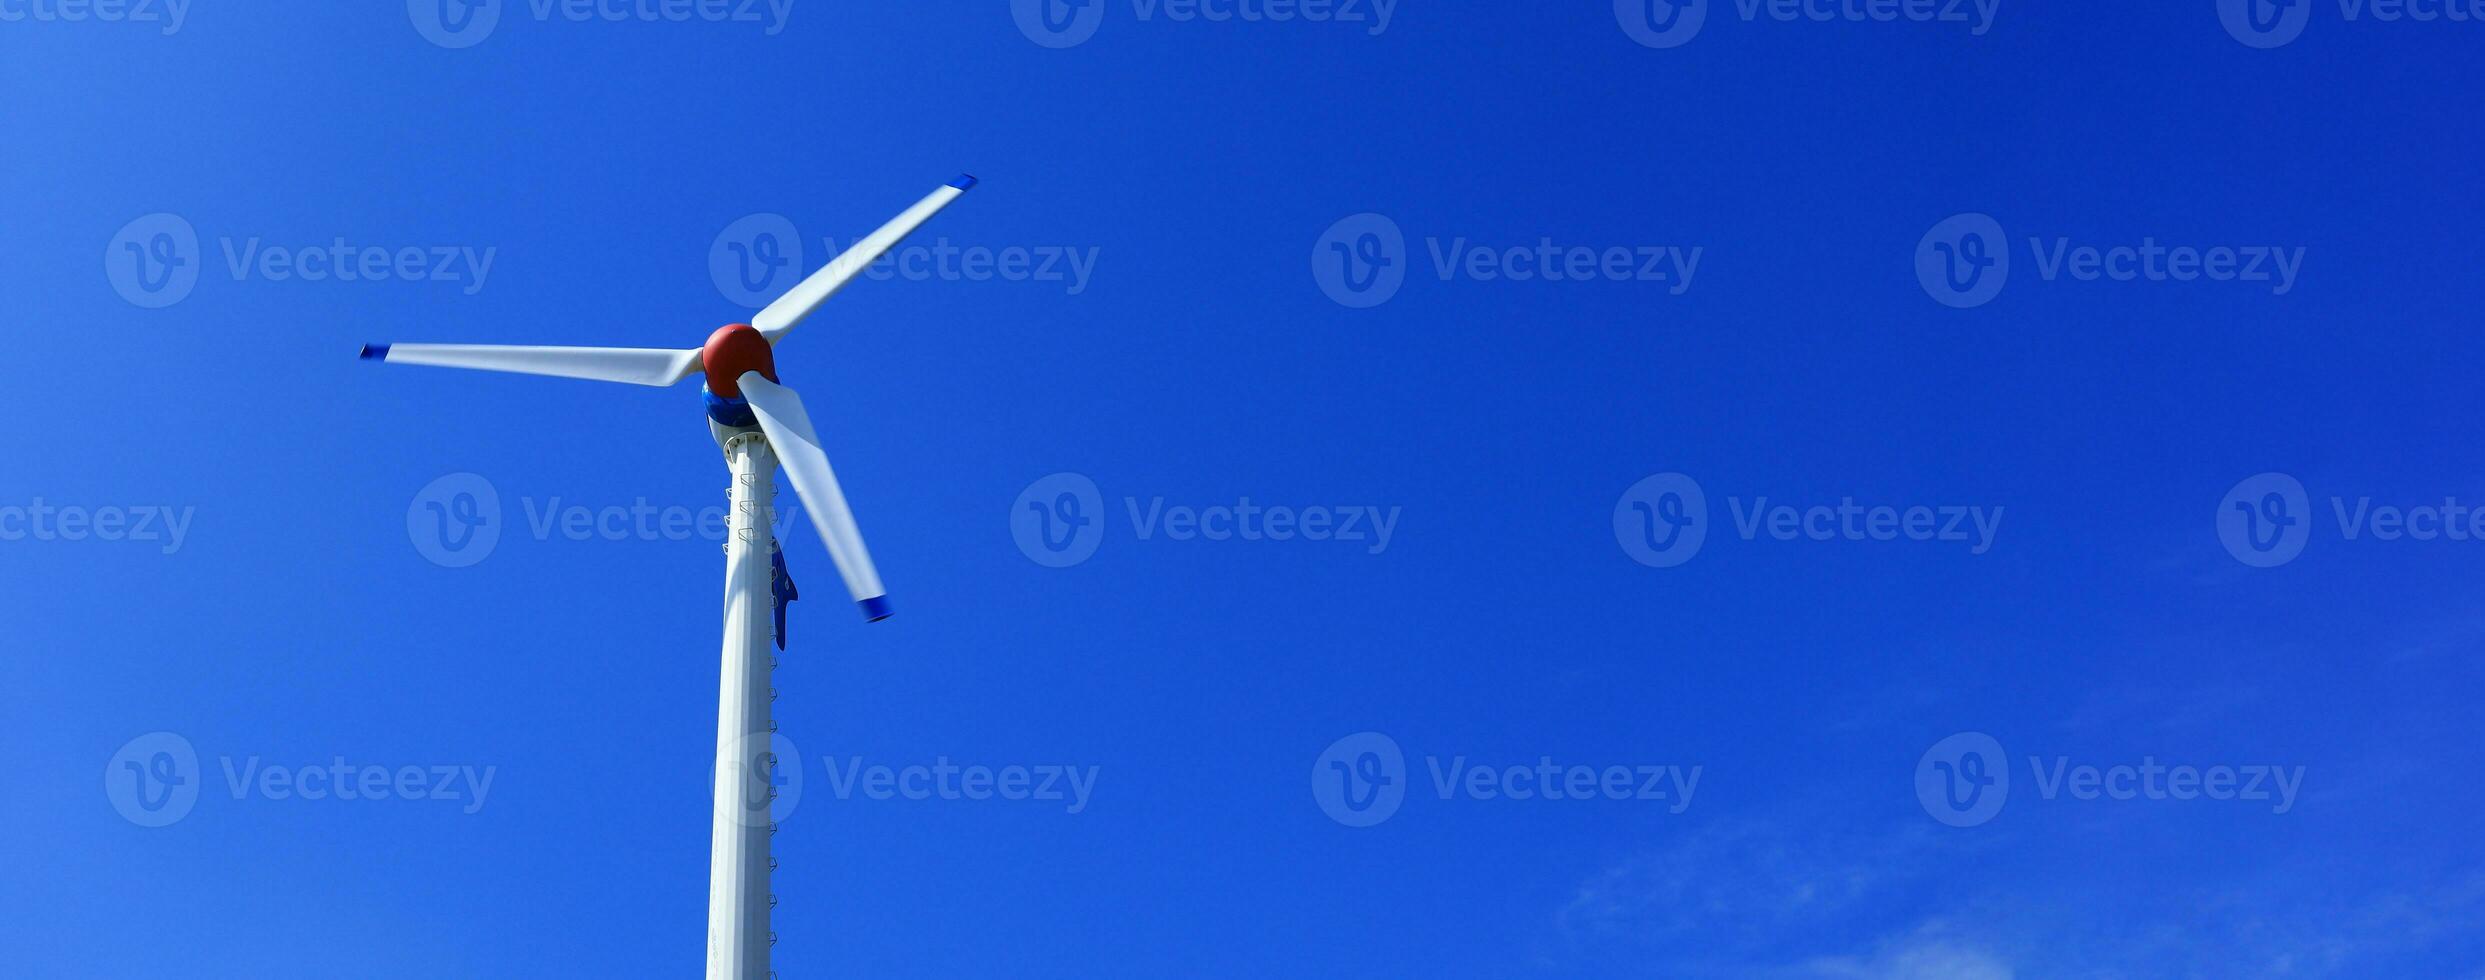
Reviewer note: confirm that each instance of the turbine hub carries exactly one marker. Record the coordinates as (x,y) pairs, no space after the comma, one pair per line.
(734,349)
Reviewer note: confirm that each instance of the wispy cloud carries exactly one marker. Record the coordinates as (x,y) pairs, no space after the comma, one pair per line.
(1926,953)
(1744,896)
(1761,901)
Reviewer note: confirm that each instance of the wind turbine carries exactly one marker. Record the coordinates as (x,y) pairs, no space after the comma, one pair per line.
(760,425)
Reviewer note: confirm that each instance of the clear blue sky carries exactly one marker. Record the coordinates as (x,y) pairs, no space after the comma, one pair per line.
(2104,427)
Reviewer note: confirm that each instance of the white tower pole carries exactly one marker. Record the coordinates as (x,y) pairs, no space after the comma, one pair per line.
(738,896)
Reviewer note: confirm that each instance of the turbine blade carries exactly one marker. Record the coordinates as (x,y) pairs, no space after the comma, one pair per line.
(806,296)
(797,446)
(629,365)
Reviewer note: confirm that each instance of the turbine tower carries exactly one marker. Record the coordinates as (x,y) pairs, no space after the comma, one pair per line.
(760,425)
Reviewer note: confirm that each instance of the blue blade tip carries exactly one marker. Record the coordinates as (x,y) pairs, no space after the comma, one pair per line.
(375,352)
(875,608)
(964,182)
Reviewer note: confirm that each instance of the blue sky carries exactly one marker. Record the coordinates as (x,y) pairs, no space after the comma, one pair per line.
(1536,285)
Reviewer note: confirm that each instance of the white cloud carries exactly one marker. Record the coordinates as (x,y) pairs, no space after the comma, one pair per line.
(1925,954)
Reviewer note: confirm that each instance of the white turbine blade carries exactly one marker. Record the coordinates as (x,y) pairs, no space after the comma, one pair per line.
(630,365)
(806,296)
(797,445)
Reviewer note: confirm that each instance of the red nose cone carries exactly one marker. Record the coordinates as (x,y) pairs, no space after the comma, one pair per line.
(733,350)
